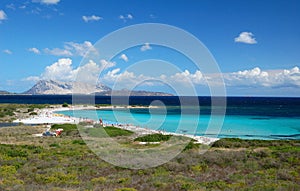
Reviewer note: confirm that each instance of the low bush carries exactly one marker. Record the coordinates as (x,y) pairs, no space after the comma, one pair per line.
(33,113)
(241,143)
(79,142)
(126,189)
(30,110)
(192,145)
(153,138)
(99,180)
(65,105)
(54,145)
(35,163)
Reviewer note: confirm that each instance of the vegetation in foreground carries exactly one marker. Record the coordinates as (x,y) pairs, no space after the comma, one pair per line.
(66,163)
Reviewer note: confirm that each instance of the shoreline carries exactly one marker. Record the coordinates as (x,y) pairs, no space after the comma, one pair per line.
(48,116)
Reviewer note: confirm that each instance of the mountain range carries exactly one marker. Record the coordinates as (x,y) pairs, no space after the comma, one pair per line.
(2,92)
(51,87)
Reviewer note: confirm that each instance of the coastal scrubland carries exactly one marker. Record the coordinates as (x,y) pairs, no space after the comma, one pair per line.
(66,163)
(10,112)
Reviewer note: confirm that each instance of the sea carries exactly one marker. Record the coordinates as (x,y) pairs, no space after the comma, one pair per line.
(264,118)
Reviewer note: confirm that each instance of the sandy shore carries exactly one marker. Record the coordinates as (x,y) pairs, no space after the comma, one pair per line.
(144,131)
(48,116)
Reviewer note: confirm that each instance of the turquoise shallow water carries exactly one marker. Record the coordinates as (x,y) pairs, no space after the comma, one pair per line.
(243,126)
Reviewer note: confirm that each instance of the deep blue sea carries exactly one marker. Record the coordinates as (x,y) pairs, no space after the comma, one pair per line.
(245,117)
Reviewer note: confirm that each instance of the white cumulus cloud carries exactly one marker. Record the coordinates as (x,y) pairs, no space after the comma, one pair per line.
(270,78)
(104,64)
(126,17)
(124,79)
(129,16)
(3,15)
(58,52)
(288,77)
(34,50)
(32,78)
(187,77)
(47,2)
(11,6)
(124,57)
(7,51)
(145,47)
(80,49)
(91,18)
(88,72)
(63,70)
(246,37)
(72,49)
(131,79)
(253,77)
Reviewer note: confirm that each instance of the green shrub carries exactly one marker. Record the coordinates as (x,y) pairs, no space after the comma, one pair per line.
(30,110)
(16,152)
(153,138)
(199,168)
(57,178)
(7,171)
(126,189)
(38,106)
(122,180)
(99,180)
(191,145)
(54,145)
(218,184)
(65,127)
(34,149)
(65,105)
(79,142)
(33,113)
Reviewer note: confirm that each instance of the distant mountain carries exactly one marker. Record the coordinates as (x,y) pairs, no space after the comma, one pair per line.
(132,93)
(55,87)
(51,87)
(2,92)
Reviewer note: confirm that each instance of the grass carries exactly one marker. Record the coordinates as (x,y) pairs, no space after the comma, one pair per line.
(114,132)
(110,131)
(65,127)
(69,129)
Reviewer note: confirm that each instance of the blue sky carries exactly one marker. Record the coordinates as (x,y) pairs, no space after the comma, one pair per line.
(255,43)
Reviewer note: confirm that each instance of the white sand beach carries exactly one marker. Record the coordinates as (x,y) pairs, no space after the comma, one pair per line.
(47,116)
